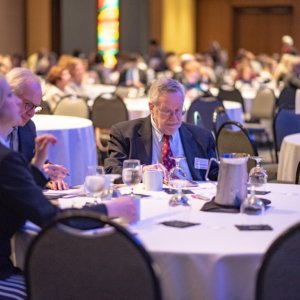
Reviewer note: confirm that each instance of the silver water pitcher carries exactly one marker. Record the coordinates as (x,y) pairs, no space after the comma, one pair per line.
(232,179)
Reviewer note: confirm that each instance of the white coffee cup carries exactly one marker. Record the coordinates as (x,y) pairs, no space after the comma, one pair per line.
(153,180)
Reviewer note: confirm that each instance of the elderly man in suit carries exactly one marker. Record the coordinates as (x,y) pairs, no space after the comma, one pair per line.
(154,139)
(27,86)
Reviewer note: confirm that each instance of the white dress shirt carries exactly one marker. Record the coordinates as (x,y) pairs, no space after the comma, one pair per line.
(175,144)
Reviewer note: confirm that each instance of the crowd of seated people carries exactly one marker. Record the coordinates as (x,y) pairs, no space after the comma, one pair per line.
(198,72)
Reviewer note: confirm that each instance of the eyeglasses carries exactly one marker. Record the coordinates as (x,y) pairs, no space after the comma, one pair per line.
(168,113)
(30,106)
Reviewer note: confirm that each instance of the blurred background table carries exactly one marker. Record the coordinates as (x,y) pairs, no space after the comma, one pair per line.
(289,157)
(75,148)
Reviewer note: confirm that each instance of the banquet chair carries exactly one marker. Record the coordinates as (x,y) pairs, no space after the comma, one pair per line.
(286,98)
(262,109)
(278,276)
(108,109)
(228,93)
(297,177)
(219,118)
(285,122)
(232,137)
(106,262)
(201,111)
(73,105)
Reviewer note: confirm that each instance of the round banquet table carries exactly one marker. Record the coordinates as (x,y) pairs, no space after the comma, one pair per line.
(75,148)
(212,260)
(289,157)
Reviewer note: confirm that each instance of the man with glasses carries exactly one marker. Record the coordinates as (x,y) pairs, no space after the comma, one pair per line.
(27,86)
(154,139)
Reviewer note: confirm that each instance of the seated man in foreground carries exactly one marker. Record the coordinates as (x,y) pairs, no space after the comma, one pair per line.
(156,138)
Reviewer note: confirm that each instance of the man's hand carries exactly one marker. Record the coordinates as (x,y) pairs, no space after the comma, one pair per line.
(55,172)
(41,149)
(57,185)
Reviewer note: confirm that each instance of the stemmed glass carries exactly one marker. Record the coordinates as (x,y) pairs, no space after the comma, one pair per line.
(258,175)
(111,192)
(94,185)
(131,174)
(95,182)
(252,205)
(177,180)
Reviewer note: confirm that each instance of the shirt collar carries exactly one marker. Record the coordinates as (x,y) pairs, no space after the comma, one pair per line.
(158,133)
(4,142)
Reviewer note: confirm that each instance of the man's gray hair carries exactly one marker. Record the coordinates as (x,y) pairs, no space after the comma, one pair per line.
(162,86)
(20,78)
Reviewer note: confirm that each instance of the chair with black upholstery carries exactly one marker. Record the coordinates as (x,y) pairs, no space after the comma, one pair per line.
(73,105)
(287,98)
(278,276)
(106,262)
(297,177)
(201,111)
(219,118)
(228,93)
(232,137)
(286,122)
(108,109)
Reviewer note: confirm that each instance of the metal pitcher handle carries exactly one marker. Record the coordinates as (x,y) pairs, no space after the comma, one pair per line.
(208,168)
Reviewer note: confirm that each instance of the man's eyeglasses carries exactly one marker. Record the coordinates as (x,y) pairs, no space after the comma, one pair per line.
(30,106)
(170,113)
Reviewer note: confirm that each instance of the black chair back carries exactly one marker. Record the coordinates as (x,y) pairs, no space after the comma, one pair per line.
(297,177)
(287,98)
(231,94)
(108,109)
(219,118)
(278,276)
(106,262)
(232,137)
(201,111)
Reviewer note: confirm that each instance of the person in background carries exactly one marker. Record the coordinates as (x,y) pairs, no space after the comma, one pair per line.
(287,45)
(132,75)
(22,199)
(27,86)
(77,71)
(155,138)
(58,80)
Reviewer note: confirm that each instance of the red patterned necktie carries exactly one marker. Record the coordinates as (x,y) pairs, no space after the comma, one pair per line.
(166,153)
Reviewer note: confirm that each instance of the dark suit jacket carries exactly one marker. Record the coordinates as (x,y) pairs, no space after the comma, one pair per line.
(133,139)
(26,136)
(21,199)
(142,77)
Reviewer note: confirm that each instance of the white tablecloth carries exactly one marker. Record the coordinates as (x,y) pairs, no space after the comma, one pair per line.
(213,260)
(75,149)
(289,157)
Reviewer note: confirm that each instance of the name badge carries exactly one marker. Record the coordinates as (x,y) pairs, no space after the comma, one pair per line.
(200,163)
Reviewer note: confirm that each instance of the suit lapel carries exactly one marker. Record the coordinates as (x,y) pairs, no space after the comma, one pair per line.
(144,142)
(190,149)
